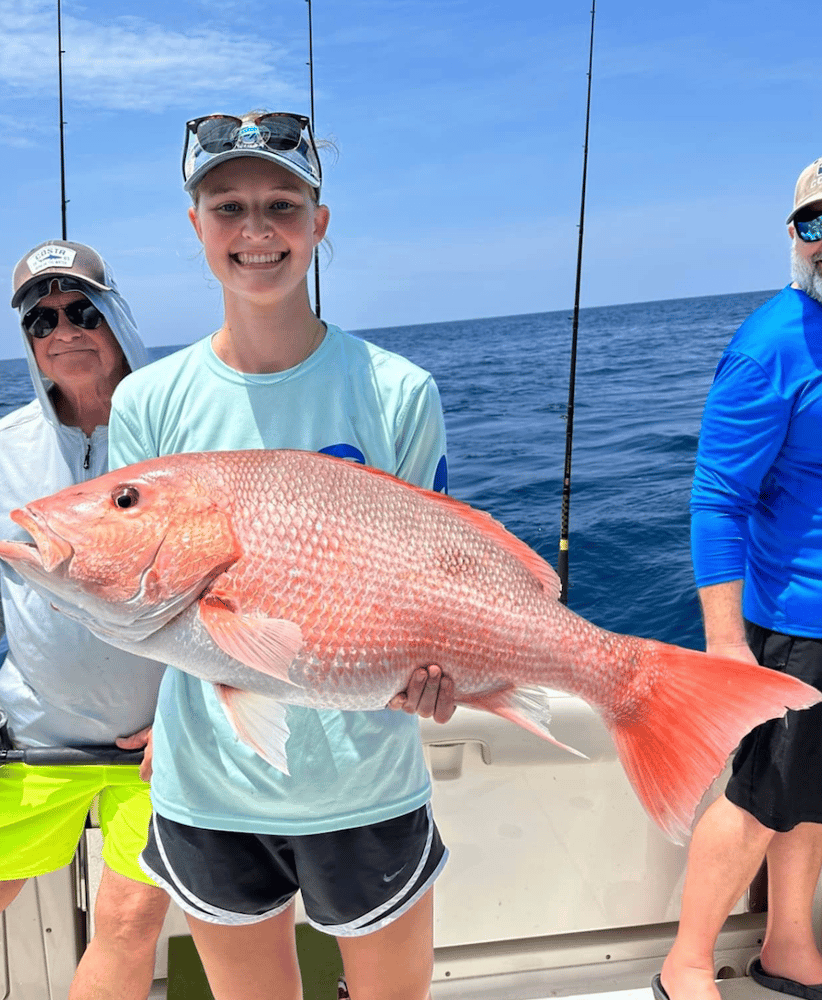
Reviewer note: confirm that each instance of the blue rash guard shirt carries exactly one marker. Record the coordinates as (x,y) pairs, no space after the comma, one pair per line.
(756,502)
(350,399)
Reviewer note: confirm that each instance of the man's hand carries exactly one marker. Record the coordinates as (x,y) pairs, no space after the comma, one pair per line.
(139,741)
(734,650)
(430,693)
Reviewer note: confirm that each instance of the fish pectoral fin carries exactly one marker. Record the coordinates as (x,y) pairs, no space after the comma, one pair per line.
(259,721)
(265,644)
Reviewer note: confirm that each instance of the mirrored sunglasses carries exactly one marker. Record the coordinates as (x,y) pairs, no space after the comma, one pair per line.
(279,132)
(42,320)
(808,225)
(219,133)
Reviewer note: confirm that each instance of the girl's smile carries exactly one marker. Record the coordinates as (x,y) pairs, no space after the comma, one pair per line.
(247,259)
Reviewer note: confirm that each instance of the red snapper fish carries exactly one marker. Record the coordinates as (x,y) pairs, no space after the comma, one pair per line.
(293,577)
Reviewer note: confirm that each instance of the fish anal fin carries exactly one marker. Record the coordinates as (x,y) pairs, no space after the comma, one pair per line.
(259,721)
(528,707)
(265,644)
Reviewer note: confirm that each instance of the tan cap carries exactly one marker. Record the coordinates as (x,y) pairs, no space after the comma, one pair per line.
(58,259)
(808,188)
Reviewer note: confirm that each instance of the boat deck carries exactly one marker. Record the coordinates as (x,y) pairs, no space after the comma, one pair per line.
(558,885)
(500,988)
(504,988)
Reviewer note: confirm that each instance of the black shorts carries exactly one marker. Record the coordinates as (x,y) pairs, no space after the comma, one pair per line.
(777,770)
(353,882)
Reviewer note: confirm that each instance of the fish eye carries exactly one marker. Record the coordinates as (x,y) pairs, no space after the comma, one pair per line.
(125,497)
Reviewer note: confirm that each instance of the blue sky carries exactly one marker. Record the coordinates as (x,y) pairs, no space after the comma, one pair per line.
(459,126)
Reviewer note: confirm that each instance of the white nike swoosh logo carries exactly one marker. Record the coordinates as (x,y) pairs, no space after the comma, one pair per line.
(390,878)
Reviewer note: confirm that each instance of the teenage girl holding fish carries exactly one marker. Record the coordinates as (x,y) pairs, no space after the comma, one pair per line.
(232,837)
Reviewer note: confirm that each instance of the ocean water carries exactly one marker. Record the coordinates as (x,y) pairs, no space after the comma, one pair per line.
(643,372)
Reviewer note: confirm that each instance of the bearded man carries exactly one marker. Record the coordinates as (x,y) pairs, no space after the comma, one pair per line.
(756,539)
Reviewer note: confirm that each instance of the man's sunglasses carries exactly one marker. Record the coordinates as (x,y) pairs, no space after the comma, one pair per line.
(808,225)
(42,320)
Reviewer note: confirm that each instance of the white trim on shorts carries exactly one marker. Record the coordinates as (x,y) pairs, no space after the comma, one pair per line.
(187,901)
(355,928)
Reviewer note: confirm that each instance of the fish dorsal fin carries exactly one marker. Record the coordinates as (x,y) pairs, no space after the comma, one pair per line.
(490,527)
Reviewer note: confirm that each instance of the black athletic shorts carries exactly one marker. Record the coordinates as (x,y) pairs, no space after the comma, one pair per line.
(353,882)
(777,770)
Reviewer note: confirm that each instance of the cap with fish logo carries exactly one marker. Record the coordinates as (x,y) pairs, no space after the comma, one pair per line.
(57,259)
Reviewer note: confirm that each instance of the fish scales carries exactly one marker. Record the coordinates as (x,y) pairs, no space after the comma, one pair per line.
(389,588)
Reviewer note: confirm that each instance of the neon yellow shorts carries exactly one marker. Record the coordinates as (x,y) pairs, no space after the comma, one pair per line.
(43,812)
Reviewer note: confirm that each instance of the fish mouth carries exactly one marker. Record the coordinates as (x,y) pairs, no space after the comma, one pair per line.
(47,552)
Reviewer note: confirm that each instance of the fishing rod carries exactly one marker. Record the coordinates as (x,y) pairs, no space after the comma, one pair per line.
(63,200)
(562,562)
(49,756)
(313,120)
(74,756)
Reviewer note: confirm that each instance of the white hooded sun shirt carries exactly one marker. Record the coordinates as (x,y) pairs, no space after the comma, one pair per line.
(59,685)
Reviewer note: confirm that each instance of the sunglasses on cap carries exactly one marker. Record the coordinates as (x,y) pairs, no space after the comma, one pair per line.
(808,224)
(40,289)
(42,320)
(275,132)
(219,133)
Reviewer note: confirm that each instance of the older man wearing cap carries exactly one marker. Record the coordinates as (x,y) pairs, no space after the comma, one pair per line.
(757,550)
(59,685)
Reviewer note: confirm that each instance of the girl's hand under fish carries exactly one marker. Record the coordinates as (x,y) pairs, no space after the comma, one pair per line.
(430,693)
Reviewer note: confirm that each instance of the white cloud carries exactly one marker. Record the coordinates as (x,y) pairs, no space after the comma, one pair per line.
(130,63)
(12,134)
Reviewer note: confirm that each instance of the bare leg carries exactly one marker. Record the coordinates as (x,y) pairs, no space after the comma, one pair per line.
(9,891)
(726,850)
(119,961)
(794,862)
(394,963)
(252,961)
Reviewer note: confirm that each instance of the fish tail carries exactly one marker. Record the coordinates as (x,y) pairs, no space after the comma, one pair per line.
(684,715)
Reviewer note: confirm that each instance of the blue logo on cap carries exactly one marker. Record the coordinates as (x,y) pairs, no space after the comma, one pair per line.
(249,135)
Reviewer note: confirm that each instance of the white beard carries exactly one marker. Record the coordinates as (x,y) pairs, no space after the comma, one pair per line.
(806,275)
